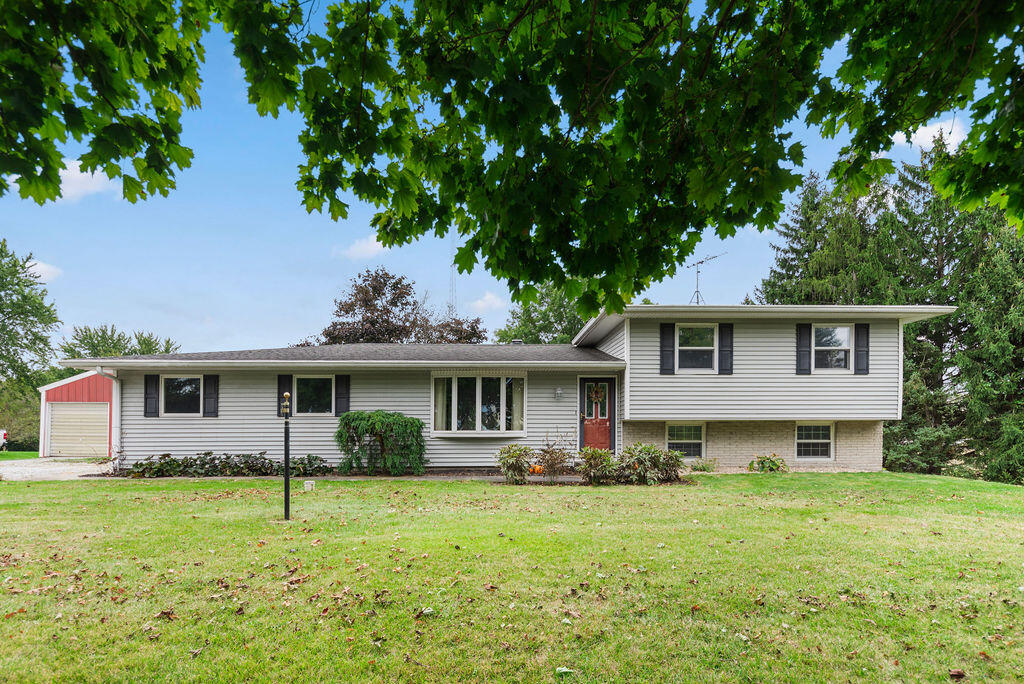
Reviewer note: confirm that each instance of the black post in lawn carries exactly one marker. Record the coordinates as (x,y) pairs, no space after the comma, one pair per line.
(286,411)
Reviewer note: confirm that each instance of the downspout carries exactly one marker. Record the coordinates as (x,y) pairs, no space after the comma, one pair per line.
(105,374)
(115,416)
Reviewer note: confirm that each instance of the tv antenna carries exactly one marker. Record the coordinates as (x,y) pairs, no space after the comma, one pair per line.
(697,298)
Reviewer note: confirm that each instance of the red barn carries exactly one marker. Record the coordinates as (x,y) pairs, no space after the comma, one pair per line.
(75,416)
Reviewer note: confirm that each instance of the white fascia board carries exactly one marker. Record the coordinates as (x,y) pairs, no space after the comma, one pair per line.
(66,381)
(905,313)
(599,326)
(353,364)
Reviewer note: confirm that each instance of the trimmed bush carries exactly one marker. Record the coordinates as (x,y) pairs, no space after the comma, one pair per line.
(204,464)
(669,465)
(704,465)
(514,462)
(309,465)
(377,441)
(648,464)
(768,463)
(553,461)
(597,466)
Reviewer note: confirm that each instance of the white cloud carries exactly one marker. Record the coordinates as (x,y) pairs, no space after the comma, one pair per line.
(45,271)
(953,130)
(363,248)
(489,302)
(76,184)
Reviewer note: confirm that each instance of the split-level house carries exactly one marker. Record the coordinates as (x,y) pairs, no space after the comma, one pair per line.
(812,384)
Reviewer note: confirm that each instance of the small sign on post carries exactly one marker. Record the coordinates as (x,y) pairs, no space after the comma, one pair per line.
(286,412)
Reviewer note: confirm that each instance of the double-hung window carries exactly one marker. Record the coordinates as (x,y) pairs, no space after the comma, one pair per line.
(479,404)
(314,395)
(688,439)
(832,347)
(182,395)
(695,346)
(814,441)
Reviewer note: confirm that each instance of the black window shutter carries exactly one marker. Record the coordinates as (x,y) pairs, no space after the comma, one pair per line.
(151,404)
(284,384)
(342,388)
(211,395)
(725,348)
(668,348)
(803,348)
(860,348)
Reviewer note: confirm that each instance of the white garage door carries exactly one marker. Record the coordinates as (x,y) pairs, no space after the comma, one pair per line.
(78,429)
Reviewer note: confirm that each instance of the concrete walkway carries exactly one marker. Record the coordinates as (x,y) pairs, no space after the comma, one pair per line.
(51,469)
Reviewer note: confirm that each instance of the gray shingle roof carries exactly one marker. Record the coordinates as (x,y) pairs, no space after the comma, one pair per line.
(468,353)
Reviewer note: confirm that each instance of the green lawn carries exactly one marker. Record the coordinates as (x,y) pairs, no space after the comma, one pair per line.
(17,455)
(741,577)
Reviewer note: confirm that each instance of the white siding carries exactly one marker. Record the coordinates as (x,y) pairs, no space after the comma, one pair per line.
(614,343)
(248,422)
(764,384)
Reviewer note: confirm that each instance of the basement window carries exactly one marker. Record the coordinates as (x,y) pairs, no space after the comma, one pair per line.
(814,441)
(686,438)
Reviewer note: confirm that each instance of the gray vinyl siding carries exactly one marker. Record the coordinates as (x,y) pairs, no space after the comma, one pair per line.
(247,420)
(764,385)
(614,343)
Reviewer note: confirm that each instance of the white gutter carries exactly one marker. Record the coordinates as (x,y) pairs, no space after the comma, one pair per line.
(105,374)
(278,363)
(592,331)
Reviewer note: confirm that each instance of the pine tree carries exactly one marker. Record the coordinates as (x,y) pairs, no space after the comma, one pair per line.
(963,395)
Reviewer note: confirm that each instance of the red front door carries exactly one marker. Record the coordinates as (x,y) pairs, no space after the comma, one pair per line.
(596,413)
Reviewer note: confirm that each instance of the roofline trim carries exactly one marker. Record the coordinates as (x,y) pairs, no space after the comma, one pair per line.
(278,363)
(906,314)
(65,381)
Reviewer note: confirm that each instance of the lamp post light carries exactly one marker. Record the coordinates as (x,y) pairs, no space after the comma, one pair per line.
(286,412)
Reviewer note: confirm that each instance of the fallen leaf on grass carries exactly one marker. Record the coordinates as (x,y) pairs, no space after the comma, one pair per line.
(13,613)
(490,587)
(167,614)
(957,674)
(424,612)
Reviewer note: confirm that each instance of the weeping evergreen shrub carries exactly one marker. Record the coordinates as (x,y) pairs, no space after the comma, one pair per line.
(377,441)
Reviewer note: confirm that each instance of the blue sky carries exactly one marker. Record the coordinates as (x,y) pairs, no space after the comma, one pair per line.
(230,259)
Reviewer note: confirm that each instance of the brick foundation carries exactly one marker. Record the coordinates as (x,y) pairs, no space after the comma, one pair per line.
(857,444)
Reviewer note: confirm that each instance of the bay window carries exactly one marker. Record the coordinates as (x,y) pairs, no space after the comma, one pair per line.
(476,404)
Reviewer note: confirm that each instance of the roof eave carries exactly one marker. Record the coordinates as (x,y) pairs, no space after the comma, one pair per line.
(129,364)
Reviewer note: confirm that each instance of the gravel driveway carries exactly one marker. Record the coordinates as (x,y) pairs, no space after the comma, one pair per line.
(51,469)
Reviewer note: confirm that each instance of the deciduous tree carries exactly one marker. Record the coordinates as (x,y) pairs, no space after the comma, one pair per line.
(26,317)
(549,319)
(379,306)
(103,340)
(586,144)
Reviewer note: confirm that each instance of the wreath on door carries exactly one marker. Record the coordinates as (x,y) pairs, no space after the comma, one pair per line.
(597,394)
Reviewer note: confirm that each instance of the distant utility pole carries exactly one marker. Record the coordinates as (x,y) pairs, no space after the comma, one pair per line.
(697,298)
